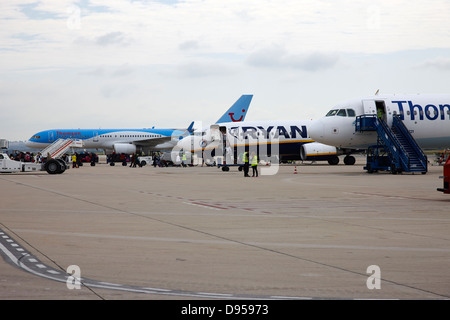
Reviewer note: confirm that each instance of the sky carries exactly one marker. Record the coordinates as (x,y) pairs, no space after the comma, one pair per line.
(165,63)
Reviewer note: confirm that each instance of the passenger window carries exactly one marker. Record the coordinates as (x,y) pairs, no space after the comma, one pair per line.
(342,113)
(331,113)
(351,113)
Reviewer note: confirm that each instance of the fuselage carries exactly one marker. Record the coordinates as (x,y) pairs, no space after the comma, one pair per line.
(100,138)
(268,138)
(427,117)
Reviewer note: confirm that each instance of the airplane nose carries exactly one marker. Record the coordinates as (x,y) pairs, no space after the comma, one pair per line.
(30,144)
(316,130)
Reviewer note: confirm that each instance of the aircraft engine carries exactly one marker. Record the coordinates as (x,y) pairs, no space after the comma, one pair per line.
(319,152)
(126,148)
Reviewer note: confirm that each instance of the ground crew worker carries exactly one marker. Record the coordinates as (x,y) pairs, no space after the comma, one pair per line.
(254,163)
(184,160)
(380,113)
(246,168)
(74,161)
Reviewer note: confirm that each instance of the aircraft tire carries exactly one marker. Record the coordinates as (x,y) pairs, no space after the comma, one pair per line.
(52,167)
(334,161)
(394,169)
(112,164)
(349,160)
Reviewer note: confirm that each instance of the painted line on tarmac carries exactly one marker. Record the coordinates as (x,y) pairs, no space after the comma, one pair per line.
(18,256)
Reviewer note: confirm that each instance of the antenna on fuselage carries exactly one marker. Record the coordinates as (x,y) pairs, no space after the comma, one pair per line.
(376,93)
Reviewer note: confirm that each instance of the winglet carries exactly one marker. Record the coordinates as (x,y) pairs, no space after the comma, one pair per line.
(238,110)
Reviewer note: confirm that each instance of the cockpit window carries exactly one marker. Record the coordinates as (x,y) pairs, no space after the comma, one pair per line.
(342,113)
(36,137)
(351,113)
(332,113)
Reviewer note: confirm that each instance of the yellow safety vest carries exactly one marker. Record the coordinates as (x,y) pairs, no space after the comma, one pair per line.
(254,161)
(245,157)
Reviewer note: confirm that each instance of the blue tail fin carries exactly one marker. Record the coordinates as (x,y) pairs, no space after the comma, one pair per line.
(190,129)
(238,110)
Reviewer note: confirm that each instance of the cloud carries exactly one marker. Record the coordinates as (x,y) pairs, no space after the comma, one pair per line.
(112,38)
(108,72)
(34,12)
(202,69)
(278,57)
(439,63)
(189,45)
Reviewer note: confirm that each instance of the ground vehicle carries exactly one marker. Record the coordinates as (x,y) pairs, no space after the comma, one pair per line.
(144,160)
(52,166)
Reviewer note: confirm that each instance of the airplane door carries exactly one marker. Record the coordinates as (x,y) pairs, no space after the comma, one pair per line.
(215,132)
(95,136)
(51,136)
(369,107)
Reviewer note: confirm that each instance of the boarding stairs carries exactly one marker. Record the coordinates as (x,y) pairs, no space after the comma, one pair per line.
(396,150)
(60,146)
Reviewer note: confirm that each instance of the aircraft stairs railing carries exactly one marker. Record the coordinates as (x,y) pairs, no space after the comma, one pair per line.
(395,151)
(59,147)
(418,159)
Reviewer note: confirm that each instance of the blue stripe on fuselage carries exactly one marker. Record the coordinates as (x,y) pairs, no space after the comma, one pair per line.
(49,136)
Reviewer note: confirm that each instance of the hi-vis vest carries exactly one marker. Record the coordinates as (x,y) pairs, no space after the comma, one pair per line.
(245,158)
(254,161)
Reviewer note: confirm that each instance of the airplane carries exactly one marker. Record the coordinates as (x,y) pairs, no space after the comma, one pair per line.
(128,141)
(426,117)
(236,113)
(273,140)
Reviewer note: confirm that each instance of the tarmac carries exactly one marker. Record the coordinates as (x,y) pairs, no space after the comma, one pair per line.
(310,231)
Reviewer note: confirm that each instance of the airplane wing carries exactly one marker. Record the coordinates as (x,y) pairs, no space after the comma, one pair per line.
(176,135)
(152,142)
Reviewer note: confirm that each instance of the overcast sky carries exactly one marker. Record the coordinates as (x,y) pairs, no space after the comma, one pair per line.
(165,63)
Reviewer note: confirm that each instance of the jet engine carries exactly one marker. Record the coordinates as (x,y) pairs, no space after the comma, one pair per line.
(126,148)
(315,151)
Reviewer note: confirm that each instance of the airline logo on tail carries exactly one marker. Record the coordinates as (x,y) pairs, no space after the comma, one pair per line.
(231,114)
(238,110)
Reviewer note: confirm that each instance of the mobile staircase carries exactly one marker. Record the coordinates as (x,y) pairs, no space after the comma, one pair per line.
(60,146)
(396,150)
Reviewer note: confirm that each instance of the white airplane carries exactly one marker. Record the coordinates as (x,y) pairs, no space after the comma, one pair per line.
(426,117)
(128,141)
(272,140)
